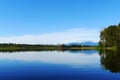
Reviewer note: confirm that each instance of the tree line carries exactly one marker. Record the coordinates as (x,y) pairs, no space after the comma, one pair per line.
(110,36)
(40,47)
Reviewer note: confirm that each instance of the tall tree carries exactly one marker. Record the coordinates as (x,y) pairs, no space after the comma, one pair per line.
(110,36)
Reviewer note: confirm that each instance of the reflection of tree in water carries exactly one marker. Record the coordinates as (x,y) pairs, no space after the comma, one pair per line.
(110,60)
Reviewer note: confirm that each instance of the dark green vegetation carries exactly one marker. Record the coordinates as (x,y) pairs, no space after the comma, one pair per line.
(28,47)
(110,48)
(110,37)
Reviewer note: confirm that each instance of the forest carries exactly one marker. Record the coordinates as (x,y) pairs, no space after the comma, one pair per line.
(110,36)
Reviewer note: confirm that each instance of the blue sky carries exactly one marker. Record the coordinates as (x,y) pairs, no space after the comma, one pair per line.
(35,18)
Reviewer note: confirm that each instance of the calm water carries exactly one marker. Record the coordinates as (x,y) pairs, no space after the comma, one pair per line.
(68,65)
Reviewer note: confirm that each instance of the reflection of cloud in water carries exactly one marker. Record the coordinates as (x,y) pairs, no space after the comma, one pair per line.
(65,58)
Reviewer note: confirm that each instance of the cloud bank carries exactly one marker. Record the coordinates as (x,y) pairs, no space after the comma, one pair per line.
(72,35)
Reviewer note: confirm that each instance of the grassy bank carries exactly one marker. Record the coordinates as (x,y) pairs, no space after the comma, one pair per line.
(27,47)
(81,48)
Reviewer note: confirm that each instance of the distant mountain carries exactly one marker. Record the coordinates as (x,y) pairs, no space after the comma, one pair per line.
(87,43)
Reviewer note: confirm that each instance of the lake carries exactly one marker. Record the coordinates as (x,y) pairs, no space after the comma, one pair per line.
(58,65)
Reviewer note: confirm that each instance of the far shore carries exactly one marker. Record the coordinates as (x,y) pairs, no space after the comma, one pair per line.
(62,47)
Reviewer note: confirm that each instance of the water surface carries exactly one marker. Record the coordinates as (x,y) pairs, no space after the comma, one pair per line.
(55,65)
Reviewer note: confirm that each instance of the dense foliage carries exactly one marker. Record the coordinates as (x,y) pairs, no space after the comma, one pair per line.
(110,36)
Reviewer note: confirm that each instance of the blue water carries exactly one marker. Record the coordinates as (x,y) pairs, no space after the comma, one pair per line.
(54,66)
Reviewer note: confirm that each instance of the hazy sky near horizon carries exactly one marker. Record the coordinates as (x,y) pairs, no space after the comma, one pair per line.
(55,21)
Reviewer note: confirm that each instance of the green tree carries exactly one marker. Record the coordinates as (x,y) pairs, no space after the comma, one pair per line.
(109,36)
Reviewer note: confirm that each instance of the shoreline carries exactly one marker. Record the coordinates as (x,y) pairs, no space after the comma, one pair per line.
(62,47)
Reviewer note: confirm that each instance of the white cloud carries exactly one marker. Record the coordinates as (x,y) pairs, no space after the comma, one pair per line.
(72,35)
